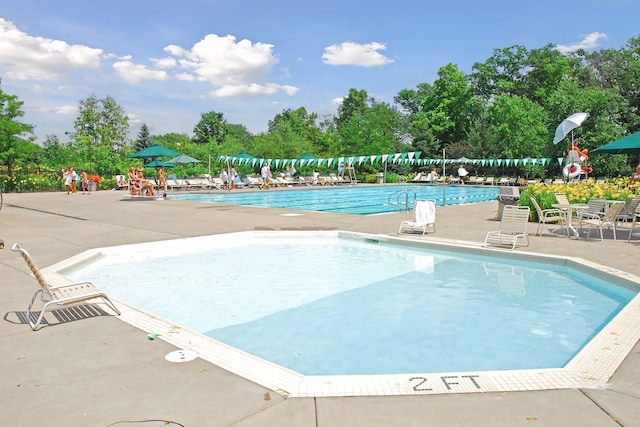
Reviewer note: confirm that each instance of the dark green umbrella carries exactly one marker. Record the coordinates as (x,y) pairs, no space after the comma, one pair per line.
(158,163)
(627,145)
(154,151)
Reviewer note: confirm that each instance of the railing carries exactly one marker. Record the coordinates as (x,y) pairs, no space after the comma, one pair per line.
(401,199)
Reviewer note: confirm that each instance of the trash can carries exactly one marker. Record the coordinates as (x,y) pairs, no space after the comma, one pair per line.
(380,178)
(507,196)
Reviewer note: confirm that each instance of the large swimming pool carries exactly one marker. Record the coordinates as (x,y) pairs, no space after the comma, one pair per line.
(322,305)
(362,200)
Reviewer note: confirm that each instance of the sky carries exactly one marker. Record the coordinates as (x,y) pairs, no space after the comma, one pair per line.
(166,63)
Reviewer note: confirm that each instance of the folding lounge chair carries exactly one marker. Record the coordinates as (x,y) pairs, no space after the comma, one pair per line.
(513,226)
(424,218)
(62,295)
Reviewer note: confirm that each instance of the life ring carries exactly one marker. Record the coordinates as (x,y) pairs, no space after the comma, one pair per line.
(572,170)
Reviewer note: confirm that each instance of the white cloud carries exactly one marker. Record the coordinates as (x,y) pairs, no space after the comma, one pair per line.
(164,62)
(222,61)
(350,53)
(134,73)
(27,57)
(67,110)
(252,89)
(337,101)
(589,42)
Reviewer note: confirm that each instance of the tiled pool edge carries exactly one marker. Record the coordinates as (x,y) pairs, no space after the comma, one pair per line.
(591,368)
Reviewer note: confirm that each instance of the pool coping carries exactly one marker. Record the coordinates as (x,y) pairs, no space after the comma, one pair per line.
(592,367)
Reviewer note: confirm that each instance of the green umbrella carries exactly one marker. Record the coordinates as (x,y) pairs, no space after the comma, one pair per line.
(154,151)
(627,145)
(159,163)
(183,158)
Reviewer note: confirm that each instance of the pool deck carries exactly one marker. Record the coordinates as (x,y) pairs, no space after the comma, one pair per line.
(100,371)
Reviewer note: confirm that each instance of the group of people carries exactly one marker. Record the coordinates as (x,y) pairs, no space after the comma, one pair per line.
(70,178)
(139,185)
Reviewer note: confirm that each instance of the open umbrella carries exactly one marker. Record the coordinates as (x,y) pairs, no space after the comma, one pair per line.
(154,151)
(183,159)
(628,145)
(158,163)
(306,160)
(568,125)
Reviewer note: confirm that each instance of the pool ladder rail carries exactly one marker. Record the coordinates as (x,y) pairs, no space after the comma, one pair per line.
(401,199)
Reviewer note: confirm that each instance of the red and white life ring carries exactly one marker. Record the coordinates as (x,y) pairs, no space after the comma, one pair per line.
(572,170)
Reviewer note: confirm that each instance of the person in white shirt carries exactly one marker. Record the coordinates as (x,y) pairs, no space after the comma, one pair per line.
(462,173)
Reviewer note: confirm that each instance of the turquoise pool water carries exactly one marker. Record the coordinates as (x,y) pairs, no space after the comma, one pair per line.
(333,306)
(362,200)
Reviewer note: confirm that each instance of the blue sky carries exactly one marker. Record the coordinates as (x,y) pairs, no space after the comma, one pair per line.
(166,64)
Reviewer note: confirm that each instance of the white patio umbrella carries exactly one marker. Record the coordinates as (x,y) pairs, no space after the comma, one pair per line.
(568,125)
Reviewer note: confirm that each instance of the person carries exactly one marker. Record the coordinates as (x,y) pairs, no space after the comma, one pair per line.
(134,181)
(224,176)
(287,173)
(121,181)
(85,185)
(462,173)
(146,188)
(68,179)
(635,177)
(316,177)
(74,180)
(233,175)
(265,173)
(432,176)
(162,181)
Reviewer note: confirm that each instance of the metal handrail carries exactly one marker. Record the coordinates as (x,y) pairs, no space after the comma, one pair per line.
(396,197)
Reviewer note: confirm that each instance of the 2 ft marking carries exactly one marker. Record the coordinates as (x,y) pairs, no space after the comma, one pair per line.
(449,381)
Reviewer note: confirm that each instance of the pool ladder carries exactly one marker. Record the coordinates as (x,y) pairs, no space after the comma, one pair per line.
(401,199)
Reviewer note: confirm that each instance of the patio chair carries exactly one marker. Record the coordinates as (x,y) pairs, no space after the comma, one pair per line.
(627,213)
(62,295)
(609,219)
(547,216)
(595,207)
(424,218)
(513,226)
(636,215)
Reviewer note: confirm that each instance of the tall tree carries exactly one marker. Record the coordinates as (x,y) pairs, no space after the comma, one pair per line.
(212,127)
(102,121)
(144,138)
(15,144)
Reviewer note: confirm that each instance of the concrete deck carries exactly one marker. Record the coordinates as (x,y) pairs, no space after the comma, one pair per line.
(100,371)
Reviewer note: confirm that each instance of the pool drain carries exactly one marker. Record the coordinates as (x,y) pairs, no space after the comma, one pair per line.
(180,356)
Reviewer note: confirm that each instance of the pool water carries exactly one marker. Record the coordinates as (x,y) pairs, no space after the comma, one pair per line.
(362,200)
(332,306)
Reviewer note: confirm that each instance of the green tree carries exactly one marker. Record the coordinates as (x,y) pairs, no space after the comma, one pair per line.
(144,138)
(16,146)
(366,126)
(212,127)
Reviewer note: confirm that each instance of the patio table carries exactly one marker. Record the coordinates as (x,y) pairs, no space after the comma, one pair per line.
(568,210)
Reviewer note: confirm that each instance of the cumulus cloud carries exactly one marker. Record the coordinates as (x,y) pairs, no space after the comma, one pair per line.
(67,110)
(350,53)
(235,68)
(26,57)
(134,73)
(589,42)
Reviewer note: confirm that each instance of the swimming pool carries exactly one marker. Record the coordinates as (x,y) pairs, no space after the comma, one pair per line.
(413,315)
(362,200)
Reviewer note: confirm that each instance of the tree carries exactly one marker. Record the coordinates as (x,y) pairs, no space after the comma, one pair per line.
(144,138)
(366,126)
(212,127)
(103,121)
(15,144)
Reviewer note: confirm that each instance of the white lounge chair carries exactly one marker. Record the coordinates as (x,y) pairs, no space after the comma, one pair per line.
(513,226)
(547,216)
(62,295)
(424,218)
